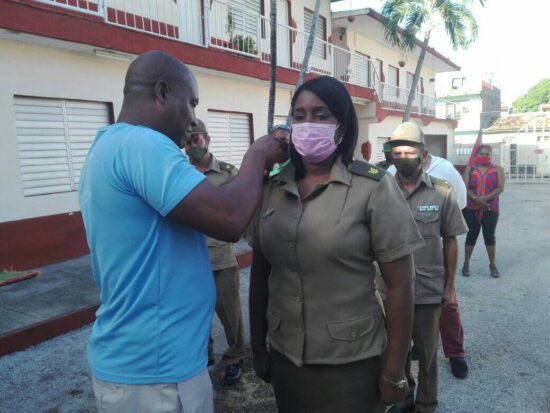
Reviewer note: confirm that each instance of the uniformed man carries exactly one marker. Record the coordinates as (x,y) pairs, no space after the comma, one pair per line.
(433,204)
(387,162)
(222,258)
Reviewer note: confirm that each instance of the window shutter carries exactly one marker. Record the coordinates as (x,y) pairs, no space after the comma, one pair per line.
(318,47)
(229,136)
(53,138)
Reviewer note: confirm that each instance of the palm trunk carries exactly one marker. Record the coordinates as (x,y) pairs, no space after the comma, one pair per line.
(307,53)
(416,78)
(273,65)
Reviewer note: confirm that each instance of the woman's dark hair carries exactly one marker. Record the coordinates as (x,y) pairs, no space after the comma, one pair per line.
(484,146)
(336,97)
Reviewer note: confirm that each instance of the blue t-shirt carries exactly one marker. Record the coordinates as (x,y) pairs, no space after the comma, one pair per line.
(157,288)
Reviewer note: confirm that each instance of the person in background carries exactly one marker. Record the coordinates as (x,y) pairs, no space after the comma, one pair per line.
(222,259)
(387,162)
(433,203)
(321,224)
(145,209)
(450,322)
(281,131)
(484,182)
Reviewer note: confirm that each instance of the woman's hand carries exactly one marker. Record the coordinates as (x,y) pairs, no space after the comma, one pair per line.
(262,365)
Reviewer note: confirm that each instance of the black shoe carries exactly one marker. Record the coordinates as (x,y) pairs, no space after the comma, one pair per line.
(494,272)
(396,409)
(466,270)
(414,354)
(459,367)
(211,361)
(232,374)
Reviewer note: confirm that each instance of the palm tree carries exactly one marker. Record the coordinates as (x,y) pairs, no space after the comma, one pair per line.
(403,19)
(273,65)
(307,53)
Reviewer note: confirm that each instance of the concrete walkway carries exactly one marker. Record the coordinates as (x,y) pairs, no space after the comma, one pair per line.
(63,297)
(506,325)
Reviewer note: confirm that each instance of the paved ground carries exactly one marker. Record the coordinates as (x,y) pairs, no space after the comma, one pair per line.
(506,323)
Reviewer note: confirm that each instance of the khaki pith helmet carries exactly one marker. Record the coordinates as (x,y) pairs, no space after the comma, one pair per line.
(407,132)
(199,128)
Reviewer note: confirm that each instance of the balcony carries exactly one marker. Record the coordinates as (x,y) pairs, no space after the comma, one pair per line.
(227,25)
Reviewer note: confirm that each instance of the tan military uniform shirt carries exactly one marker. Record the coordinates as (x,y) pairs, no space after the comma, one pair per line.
(222,254)
(433,204)
(322,307)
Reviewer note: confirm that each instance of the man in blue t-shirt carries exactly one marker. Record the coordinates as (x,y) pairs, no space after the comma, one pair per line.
(142,204)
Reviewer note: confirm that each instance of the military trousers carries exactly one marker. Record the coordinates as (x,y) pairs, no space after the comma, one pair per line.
(228,309)
(425,338)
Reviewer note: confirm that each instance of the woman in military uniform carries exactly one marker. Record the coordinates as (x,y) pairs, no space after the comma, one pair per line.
(316,326)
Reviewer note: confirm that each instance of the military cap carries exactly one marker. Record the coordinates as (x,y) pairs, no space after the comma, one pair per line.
(199,127)
(407,132)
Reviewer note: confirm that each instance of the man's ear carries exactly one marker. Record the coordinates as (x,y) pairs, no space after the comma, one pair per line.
(207,139)
(161,92)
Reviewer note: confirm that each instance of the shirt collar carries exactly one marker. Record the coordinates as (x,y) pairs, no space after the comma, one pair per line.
(338,173)
(423,178)
(214,165)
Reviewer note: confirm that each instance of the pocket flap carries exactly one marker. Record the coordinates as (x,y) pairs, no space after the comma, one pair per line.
(351,329)
(273,322)
(427,217)
(430,271)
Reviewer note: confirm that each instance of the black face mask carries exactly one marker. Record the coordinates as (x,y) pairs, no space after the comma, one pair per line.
(406,166)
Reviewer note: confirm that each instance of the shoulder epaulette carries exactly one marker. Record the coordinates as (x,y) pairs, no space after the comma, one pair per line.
(367,170)
(442,182)
(227,166)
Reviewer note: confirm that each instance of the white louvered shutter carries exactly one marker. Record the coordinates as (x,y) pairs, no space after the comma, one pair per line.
(318,47)
(53,137)
(229,136)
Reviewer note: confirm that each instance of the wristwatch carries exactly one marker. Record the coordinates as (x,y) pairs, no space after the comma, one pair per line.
(399,385)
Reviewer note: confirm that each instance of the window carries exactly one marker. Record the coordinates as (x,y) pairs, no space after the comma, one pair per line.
(393,75)
(230,135)
(458,82)
(53,137)
(319,48)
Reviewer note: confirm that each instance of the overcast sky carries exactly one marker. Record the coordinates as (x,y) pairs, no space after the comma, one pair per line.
(513,42)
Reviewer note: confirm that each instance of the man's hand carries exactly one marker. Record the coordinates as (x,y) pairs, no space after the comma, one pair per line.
(275,150)
(262,365)
(389,394)
(449,296)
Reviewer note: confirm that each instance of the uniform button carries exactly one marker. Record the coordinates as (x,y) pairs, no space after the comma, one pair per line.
(353,334)
(297,299)
(295,216)
(291,244)
(299,328)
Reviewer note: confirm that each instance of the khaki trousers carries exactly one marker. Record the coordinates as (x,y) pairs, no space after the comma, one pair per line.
(228,309)
(425,338)
(190,396)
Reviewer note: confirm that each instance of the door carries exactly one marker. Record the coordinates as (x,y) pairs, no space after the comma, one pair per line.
(191,22)
(283,35)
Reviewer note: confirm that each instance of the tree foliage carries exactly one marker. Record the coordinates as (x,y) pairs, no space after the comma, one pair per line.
(404,19)
(537,95)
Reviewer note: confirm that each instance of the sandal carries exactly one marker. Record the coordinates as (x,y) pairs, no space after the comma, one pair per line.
(466,270)
(494,272)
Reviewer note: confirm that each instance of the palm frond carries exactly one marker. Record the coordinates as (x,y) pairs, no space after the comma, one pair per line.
(402,20)
(460,24)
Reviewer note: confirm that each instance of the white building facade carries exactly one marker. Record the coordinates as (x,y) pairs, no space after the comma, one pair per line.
(63,64)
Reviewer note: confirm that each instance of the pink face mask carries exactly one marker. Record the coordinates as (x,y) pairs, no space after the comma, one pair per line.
(314,141)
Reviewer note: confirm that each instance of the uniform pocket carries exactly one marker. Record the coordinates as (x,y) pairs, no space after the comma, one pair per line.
(351,329)
(273,321)
(430,280)
(428,223)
